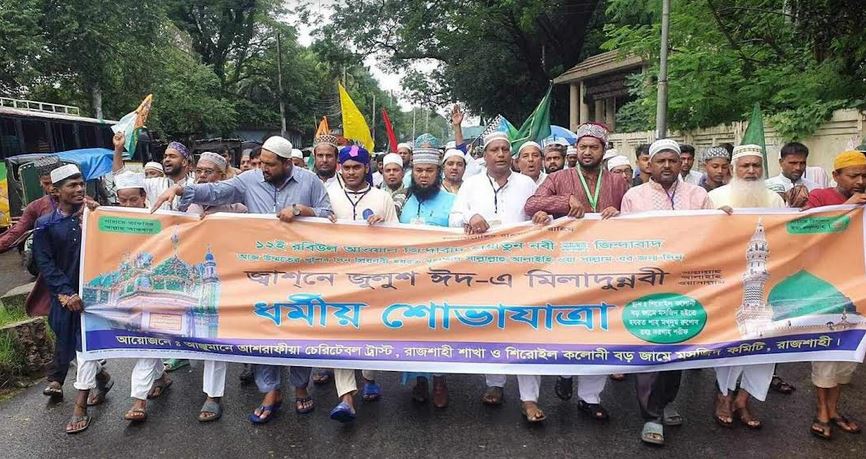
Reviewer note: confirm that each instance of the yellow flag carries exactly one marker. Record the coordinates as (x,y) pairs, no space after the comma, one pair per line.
(354,126)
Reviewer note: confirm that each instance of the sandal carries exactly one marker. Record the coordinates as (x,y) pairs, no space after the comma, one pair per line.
(419,392)
(247,375)
(175,364)
(70,426)
(617,377)
(532,412)
(845,424)
(263,418)
(440,392)
(98,397)
(745,416)
(564,388)
(371,391)
(322,377)
(653,433)
(53,390)
(821,429)
(780,386)
(210,411)
(594,410)
(343,413)
(722,414)
(493,396)
(671,417)
(136,415)
(304,405)
(159,387)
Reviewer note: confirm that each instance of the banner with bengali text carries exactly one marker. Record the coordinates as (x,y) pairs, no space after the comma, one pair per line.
(642,292)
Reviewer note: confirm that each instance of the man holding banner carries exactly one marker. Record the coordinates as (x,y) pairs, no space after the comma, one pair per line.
(280,189)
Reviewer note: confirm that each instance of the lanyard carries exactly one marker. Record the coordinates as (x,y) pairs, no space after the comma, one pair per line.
(593,200)
(355,203)
(496,194)
(672,195)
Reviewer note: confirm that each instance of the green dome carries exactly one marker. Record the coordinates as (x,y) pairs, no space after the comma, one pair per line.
(804,294)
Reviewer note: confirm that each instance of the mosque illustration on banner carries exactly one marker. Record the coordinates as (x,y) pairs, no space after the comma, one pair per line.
(801,303)
(172,297)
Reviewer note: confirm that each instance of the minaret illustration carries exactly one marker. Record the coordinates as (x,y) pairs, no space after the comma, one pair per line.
(754,315)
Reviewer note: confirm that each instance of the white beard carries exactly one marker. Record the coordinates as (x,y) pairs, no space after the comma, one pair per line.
(745,193)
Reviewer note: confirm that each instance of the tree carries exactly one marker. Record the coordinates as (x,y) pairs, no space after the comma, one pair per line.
(20,42)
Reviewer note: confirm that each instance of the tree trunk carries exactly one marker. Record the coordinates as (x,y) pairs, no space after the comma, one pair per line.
(96,94)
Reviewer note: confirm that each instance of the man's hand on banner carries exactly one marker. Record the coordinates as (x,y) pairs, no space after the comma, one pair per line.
(575,207)
(375,219)
(858,199)
(610,212)
(167,196)
(477,225)
(541,218)
(727,209)
(72,302)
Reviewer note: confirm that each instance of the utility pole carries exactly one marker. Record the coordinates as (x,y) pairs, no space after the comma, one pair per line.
(413,123)
(374,120)
(280,85)
(662,102)
(427,121)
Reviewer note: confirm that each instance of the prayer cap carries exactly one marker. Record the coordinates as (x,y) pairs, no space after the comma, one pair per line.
(153,165)
(496,135)
(716,152)
(571,151)
(404,145)
(392,158)
(554,141)
(128,180)
(297,153)
(180,148)
(326,139)
(845,159)
(747,150)
(278,146)
(354,153)
(425,156)
(527,145)
(64,172)
(216,159)
(427,141)
(661,145)
(594,130)
(453,152)
(246,153)
(610,154)
(617,161)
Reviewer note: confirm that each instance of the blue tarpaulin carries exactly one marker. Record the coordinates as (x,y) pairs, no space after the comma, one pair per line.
(94,162)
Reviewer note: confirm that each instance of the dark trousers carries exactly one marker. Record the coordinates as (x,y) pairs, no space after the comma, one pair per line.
(66,326)
(655,391)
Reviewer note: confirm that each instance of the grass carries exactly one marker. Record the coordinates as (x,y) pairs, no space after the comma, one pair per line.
(11,360)
(8,317)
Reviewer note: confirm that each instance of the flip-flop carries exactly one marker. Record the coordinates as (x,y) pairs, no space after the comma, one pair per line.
(322,377)
(371,392)
(175,364)
(160,385)
(824,431)
(343,413)
(779,385)
(745,416)
(493,396)
(419,392)
(301,401)
(653,433)
(77,419)
(844,423)
(271,409)
(211,406)
(130,415)
(594,410)
(98,398)
(53,392)
(564,388)
(538,415)
(672,417)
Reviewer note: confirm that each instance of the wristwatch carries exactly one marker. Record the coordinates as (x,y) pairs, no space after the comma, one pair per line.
(296,211)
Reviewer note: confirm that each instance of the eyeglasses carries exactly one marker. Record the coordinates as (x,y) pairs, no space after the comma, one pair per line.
(205,171)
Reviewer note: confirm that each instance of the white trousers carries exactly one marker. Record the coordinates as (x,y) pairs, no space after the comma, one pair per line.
(755,379)
(589,387)
(144,373)
(528,385)
(213,378)
(345,380)
(85,372)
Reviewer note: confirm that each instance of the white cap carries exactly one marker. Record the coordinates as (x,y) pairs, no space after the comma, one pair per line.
(453,152)
(571,151)
(153,165)
(527,145)
(616,161)
(63,172)
(495,135)
(297,153)
(216,159)
(404,145)
(747,150)
(451,144)
(661,145)
(278,146)
(392,158)
(128,180)
(555,141)
(610,154)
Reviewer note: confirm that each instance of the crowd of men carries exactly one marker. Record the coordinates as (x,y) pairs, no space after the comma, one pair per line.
(426,184)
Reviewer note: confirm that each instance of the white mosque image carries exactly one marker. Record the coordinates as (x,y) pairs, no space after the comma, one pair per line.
(802,303)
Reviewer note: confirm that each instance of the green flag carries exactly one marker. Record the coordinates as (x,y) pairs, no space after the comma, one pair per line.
(536,127)
(754,134)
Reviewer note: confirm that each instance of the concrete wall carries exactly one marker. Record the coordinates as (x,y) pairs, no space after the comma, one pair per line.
(845,130)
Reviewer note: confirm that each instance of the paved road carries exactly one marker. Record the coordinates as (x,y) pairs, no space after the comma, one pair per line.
(395,426)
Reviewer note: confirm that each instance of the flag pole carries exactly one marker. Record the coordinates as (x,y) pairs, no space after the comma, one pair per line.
(662,99)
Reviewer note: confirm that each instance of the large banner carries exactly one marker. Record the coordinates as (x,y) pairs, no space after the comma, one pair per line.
(636,293)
